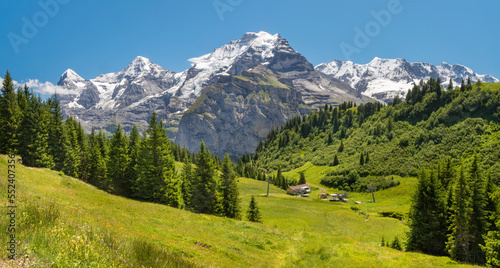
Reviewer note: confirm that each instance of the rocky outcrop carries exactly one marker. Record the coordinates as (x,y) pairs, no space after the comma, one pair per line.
(234,114)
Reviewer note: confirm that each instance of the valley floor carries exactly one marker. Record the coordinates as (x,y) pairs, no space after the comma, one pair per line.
(64,222)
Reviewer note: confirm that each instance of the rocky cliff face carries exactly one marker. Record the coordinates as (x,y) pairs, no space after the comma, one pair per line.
(234,114)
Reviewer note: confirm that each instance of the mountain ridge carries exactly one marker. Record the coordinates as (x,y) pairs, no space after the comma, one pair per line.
(385,78)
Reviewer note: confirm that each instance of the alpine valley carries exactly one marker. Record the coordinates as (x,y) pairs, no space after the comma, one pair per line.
(233,97)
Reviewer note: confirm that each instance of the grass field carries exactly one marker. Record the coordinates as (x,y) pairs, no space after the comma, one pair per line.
(63,222)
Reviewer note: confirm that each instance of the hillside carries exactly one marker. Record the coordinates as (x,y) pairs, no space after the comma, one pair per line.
(421,132)
(91,228)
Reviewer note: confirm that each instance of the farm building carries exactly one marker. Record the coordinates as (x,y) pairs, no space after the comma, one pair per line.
(298,189)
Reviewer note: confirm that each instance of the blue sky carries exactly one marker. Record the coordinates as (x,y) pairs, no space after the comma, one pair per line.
(95,37)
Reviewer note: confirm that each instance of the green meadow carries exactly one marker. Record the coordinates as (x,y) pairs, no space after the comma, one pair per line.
(63,222)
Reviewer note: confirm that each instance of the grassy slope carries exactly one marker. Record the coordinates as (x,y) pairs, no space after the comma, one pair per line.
(88,227)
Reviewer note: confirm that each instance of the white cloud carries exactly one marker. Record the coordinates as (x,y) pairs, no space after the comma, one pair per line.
(46,88)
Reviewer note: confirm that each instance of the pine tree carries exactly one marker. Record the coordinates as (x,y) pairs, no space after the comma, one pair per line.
(492,239)
(427,220)
(341,147)
(33,147)
(156,173)
(83,153)
(205,199)
(70,158)
(253,213)
(230,193)
(367,158)
(133,154)
(9,117)
(450,84)
(330,139)
(396,244)
(56,134)
(361,159)
(302,179)
(446,174)
(460,239)
(279,178)
(389,124)
(97,163)
(477,219)
(186,182)
(72,164)
(490,207)
(118,162)
(335,161)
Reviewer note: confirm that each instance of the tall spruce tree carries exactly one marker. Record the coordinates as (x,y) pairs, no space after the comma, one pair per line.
(492,240)
(205,196)
(56,134)
(230,193)
(302,177)
(490,207)
(477,220)
(118,162)
(97,163)
(9,117)
(460,239)
(427,218)
(133,154)
(253,213)
(187,182)
(156,166)
(33,147)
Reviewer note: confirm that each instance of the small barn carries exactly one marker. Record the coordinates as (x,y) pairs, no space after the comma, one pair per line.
(298,189)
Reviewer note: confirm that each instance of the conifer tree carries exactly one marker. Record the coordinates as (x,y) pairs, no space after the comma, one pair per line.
(302,178)
(186,182)
(205,199)
(477,220)
(33,147)
(396,244)
(335,161)
(56,134)
(83,156)
(253,213)
(97,163)
(133,154)
(460,239)
(427,218)
(361,159)
(341,147)
(156,181)
(279,177)
(450,84)
(490,207)
(367,158)
(72,163)
(118,162)
(492,239)
(230,193)
(9,117)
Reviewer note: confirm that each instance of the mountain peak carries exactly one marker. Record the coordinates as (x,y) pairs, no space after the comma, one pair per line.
(141,65)
(69,76)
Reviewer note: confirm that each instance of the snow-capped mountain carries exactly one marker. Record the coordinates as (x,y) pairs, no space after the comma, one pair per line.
(140,79)
(143,87)
(273,52)
(385,78)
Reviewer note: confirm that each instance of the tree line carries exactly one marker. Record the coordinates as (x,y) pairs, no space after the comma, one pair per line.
(133,166)
(454,213)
